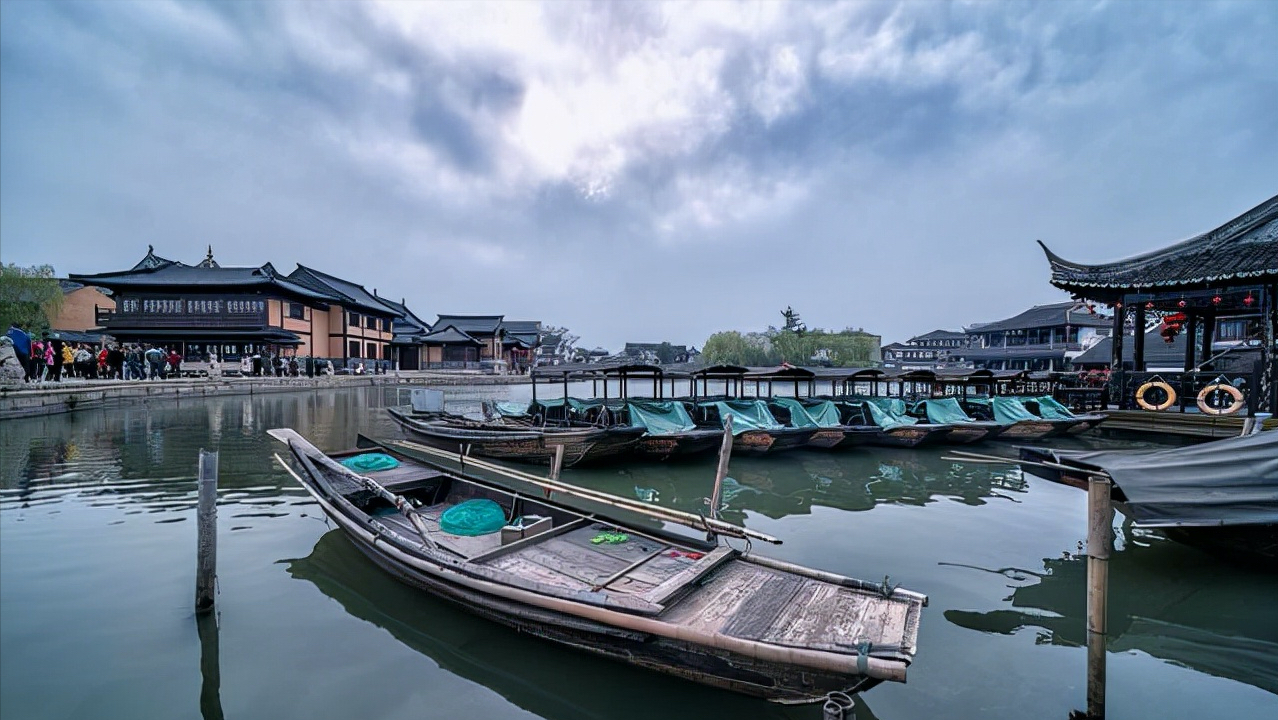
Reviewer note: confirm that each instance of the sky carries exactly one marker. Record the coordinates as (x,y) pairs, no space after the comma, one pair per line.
(638,172)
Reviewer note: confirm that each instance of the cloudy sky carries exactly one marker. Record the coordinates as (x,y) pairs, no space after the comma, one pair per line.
(637,171)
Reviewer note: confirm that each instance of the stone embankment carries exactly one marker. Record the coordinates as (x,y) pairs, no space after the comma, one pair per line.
(29,399)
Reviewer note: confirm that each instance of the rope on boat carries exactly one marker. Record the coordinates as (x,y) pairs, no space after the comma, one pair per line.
(837,705)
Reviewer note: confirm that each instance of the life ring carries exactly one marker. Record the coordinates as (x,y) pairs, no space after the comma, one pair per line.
(1229,390)
(1146,405)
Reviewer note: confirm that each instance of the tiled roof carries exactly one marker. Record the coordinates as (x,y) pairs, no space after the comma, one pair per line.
(152,260)
(940,335)
(343,291)
(407,322)
(1045,316)
(486,324)
(1243,248)
(174,275)
(448,335)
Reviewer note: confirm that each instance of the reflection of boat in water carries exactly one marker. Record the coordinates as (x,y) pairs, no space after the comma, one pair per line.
(534,675)
(1164,600)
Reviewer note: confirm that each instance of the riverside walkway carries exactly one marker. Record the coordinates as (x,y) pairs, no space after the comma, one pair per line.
(50,398)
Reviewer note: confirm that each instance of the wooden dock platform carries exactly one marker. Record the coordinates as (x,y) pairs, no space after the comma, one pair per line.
(1171,422)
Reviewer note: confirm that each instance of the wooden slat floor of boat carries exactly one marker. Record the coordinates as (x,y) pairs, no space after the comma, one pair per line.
(756,603)
(573,556)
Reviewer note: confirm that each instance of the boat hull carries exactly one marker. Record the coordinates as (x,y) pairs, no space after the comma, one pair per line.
(827,438)
(529,445)
(671,447)
(911,435)
(1028,430)
(964,433)
(764,442)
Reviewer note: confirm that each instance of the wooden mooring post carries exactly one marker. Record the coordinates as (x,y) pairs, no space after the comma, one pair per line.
(1100,543)
(721,472)
(206,521)
(557,462)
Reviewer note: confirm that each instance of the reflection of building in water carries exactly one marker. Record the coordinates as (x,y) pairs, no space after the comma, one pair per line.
(1165,600)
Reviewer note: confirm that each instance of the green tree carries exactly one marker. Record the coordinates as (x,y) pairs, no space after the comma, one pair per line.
(29,296)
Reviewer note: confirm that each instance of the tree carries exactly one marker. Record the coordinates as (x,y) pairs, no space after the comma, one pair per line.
(29,296)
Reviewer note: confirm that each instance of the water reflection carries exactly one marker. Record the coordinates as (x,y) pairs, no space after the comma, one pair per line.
(1165,600)
(543,678)
(857,480)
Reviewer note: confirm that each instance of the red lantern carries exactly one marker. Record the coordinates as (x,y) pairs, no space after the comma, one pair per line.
(1149,306)
(1182,303)
(1248,300)
(1216,300)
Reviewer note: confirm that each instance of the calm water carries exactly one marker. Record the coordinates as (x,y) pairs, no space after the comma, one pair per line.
(97,551)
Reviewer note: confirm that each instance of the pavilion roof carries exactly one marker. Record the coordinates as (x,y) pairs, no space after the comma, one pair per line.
(484,324)
(1053,315)
(448,335)
(1243,249)
(173,276)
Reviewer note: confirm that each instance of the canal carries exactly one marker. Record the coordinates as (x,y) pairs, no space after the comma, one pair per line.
(97,561)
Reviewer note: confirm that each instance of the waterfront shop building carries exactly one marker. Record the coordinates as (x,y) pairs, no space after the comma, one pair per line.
(80,306)
(469,342)
(232,313)
(360,325)
(1043,338)
(407,330)
(939,349)
(1219,290)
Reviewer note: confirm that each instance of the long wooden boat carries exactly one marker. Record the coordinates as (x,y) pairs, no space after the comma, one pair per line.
(669,431)
(824,416)
(1221,496)
(1016,426)
(528,444)
(628,591)
(1050,408)
(755,431)
(965,429)
(889,431)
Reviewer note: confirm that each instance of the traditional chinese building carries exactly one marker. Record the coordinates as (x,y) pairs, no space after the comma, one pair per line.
(235,312)
(1217,289)
(1045,337)
(929,351)
(362,331)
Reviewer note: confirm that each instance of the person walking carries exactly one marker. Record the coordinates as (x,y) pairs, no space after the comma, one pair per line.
(114,363)
(175,363)
(58,347)
(21,349)
(155,362)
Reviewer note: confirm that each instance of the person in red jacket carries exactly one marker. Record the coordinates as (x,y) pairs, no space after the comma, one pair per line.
(175,364)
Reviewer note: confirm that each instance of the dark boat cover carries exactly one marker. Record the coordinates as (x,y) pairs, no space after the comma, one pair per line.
(1223,482)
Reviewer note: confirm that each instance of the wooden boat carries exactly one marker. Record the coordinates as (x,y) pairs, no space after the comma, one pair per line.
(1019,423)
(755,430)
(521,443)
(824,416)
(1221,496)
(1050,408)
(628,591)
(947,411)
(891,429)
(669,431)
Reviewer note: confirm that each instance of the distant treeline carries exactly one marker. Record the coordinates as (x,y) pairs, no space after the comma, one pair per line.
(847,348)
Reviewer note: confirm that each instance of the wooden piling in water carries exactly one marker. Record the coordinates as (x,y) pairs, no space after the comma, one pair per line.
(206,522)
(1100,543)
(557,462)
(721,472)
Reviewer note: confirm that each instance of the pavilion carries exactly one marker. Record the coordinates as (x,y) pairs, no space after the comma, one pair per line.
(1220,288)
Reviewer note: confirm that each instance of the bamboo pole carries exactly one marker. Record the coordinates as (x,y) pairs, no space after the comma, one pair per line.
(206,522)
(1100,542)
(557,462)
(725,452)
(679,517)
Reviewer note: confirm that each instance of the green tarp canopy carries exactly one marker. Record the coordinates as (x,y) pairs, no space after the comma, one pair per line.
(506,408)
(1009,410)
(887,412)
(943,411)
(661,418)
(810,413)
(746,415)
(1050,409)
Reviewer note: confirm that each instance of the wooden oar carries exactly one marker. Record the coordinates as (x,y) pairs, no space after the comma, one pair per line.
(696,522)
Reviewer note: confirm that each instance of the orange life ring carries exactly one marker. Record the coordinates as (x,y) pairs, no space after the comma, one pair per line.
(1145,404)
(1229,390)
